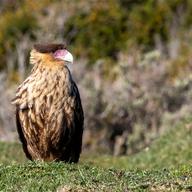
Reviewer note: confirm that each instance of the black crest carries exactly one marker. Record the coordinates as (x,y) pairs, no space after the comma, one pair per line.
(49,48)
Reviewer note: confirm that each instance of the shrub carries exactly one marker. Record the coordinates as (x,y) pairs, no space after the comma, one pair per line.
(98,32)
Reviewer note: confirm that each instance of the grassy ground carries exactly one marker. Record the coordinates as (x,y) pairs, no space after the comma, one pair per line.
(172,149)
(165,166)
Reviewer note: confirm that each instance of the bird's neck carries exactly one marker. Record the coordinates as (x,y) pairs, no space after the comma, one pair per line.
(45,62)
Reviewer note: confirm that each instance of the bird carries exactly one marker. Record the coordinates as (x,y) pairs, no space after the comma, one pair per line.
(49,113)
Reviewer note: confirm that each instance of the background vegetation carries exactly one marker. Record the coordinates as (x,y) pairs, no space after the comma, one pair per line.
(132,66)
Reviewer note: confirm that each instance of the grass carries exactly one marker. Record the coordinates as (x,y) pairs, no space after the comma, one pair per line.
(165,166)
(172,149)
(50,177)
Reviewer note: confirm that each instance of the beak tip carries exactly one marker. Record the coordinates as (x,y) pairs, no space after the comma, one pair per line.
(69,57)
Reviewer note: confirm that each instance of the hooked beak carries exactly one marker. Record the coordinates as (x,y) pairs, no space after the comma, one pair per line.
(68,57)
(64,55)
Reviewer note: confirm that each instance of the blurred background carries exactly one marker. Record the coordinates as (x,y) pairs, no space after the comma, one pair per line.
(132,64)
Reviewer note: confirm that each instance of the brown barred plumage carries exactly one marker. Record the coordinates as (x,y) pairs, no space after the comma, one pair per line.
(49,114)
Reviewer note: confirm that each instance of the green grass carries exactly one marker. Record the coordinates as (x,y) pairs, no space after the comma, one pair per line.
(49,177)
(172,149)
(165,166)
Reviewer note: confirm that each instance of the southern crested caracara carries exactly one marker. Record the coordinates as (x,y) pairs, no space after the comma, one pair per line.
(49,114)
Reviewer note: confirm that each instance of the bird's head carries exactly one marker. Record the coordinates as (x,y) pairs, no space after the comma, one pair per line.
(57,51)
